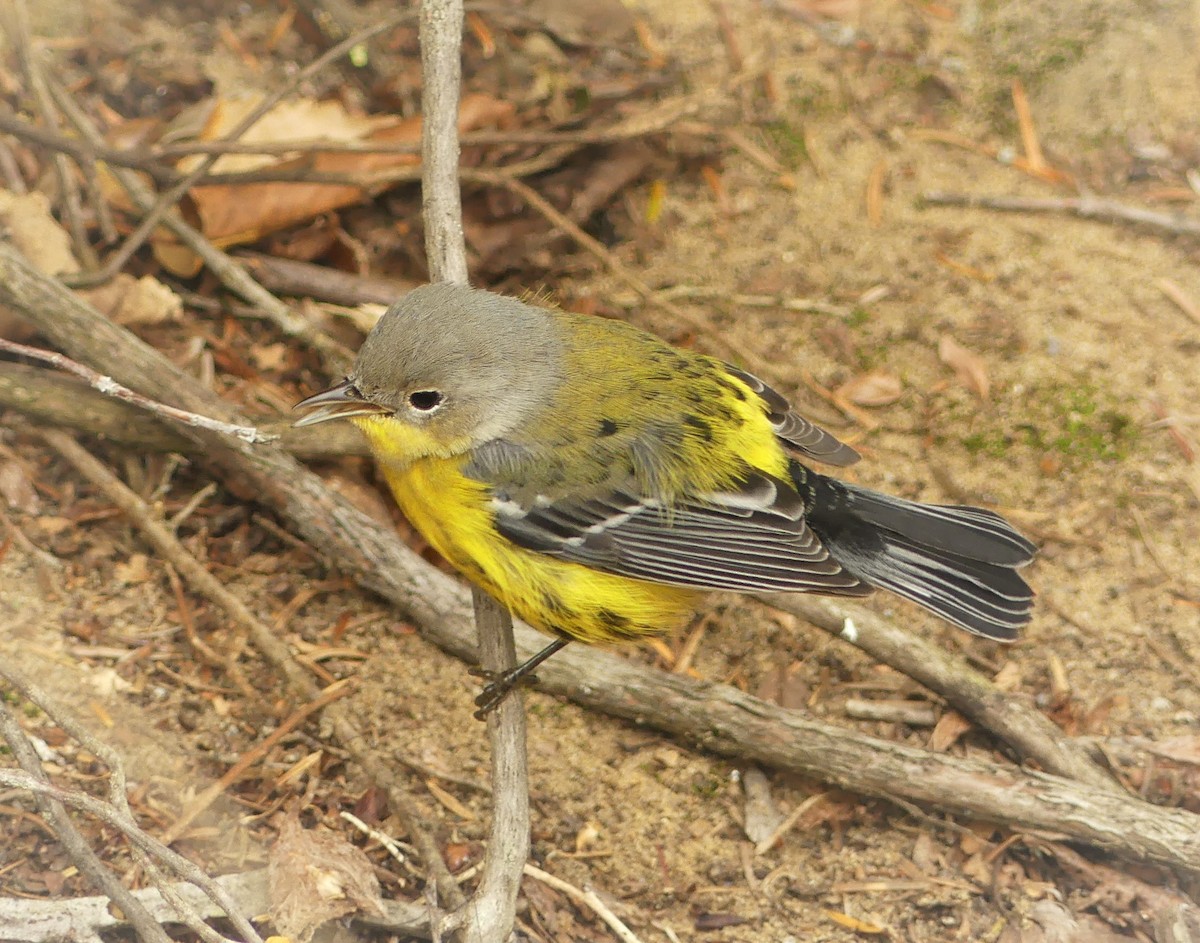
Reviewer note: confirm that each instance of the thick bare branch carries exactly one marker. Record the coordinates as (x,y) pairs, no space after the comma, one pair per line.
(713,716)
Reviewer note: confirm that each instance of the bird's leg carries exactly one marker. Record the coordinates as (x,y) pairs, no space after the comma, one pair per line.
(501,683)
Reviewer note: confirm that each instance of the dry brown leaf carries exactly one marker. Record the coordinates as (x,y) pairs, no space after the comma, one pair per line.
(449,800)
(874,388)
(317,876)
(970,367)
(135,301)
(132,572)
(36,234)
(269,357)
(17,489)
(950,726)
(301,119)
(235,214)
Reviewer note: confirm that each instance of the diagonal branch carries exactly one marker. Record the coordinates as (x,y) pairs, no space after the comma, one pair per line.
(713,716)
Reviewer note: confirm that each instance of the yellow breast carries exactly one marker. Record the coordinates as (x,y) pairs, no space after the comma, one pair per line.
(453,513)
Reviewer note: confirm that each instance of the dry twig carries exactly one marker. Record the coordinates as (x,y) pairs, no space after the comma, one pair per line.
(35,781)
(166,202)
(84,919)
(117,785)
(618,268)
(110,387)
(1085,207)
(587,898)
(335,357)
(1029,732)
(54,399)
(491,911)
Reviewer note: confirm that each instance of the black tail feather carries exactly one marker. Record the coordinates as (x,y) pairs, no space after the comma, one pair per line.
(958,562)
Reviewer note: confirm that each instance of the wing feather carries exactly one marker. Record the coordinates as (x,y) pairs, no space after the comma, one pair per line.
(753,537)
(804,436)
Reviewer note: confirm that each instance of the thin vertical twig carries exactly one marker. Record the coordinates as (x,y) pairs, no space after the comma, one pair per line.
(490,913)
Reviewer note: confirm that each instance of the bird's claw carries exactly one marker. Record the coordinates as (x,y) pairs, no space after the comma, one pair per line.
(499,685)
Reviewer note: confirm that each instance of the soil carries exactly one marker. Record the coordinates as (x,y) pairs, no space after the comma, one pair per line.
(1085,355)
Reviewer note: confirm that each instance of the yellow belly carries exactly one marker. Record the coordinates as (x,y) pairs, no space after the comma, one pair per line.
(558,597)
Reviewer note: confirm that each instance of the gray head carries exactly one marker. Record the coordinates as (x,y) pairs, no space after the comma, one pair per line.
(456,361)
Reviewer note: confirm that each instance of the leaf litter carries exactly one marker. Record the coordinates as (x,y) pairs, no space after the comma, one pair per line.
(677,837)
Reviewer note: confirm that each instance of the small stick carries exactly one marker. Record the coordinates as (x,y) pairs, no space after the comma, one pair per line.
(587,898)
(1029,136)
(110,387)
(1085,207)
(1026,729)
(117,786)
(83,918)
(389,844)
(913,713)
(335,357)
(12,173)
(60,400)
(87,164)
(654,120)
(788,823)
(138,837)
(1181,298)
(17,27)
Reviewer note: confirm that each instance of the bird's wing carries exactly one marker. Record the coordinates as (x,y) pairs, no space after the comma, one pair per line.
(794,429)
(750,538)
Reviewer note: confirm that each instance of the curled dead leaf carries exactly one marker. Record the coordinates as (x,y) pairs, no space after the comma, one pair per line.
(317,876)
(32,229)
(970,367)
(238,213)
(950,726)
(136,301)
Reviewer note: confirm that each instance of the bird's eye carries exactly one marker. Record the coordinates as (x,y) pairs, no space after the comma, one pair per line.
(425,400)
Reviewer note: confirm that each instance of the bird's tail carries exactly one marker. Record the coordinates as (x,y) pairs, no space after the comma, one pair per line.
(958,562)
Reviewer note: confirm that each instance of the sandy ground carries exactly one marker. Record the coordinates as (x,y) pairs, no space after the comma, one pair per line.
(1083,352)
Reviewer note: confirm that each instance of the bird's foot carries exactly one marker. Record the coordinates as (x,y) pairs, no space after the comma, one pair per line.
(499,685)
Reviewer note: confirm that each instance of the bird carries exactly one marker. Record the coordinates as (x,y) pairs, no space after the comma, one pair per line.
(598,481)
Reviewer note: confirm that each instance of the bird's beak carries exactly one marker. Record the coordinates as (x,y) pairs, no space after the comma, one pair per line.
(337,402)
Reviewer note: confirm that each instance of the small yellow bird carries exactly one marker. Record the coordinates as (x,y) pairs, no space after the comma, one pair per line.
(596,480)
